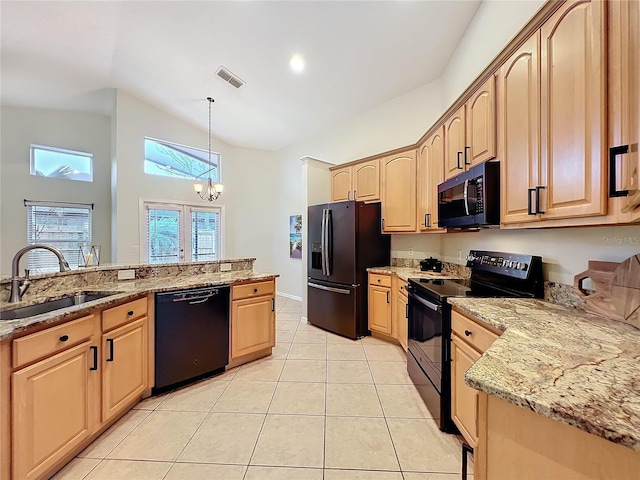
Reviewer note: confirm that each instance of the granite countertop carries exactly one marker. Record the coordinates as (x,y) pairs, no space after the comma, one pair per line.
(562,363)
(406,273)
(125,290)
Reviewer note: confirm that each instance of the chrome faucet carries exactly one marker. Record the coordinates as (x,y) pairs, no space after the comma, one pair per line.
(19,285)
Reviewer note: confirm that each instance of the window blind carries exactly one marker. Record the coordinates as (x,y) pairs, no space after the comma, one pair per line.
(205,234)
(63,227)
(163,225)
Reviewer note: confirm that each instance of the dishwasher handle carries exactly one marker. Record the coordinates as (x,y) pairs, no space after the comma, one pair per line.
(198,299)
(192,296)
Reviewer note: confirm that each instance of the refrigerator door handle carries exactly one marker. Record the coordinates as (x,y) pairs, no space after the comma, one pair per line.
(329,243)
(344,291)
(323,248)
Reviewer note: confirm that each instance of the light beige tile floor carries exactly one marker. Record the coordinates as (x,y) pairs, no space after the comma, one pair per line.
(322,407)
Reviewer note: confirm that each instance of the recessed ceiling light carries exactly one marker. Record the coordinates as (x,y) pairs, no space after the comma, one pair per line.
(297,63)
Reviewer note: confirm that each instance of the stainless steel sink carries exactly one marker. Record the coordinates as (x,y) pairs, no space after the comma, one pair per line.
(50,306)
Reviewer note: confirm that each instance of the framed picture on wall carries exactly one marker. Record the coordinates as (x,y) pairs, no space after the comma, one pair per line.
(295,236)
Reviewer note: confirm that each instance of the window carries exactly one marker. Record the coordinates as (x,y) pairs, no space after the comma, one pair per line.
(63,226)
(177,233)
(59,163)
(172,160)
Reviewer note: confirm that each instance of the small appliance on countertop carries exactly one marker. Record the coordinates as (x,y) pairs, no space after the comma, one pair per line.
(430,265)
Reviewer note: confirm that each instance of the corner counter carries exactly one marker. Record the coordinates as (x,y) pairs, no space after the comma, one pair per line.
(560,392)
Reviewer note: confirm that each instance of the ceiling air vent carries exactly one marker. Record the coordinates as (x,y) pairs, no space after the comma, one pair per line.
(229,77)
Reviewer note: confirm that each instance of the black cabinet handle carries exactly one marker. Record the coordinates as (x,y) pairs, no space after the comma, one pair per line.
(466,149)
(130,312)
(538,188)
(95,357)
(378,280)
(388,301)
(613,153)
(110,342)
(273,304)
(529,202)
(459,158)
(406,311)
(349,196)
(255,290)
(383,224)
(64,338)
(467,333)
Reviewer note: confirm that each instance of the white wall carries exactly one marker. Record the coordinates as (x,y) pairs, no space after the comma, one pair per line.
(84,132)
(495,23)
(249,179)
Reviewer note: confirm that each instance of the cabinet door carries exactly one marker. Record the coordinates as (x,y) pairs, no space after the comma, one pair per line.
(399,192)
(573,111)
(55,407)
(402,322)
(464,399)
(380,309)
(624,106)
(481,124)
(253,324)
(341,185)
(366,181)
(518,126)
(454,138)
(124,366)
(430,167)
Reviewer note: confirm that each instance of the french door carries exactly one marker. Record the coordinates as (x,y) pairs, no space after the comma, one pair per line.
(176,232)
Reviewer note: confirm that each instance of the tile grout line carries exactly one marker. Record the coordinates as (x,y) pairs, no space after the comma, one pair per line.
(255,445)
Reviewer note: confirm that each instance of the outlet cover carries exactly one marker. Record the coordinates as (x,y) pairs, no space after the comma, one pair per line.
(127,274)
(225,267)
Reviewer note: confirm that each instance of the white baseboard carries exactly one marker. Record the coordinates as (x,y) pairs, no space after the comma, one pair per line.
(287,295)
(304,320)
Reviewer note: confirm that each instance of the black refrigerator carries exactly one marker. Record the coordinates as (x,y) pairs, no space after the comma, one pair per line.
(344,239)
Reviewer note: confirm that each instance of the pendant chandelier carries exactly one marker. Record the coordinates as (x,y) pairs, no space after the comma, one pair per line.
(212,191)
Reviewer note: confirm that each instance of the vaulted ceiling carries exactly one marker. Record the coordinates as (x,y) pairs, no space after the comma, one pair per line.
(69,54)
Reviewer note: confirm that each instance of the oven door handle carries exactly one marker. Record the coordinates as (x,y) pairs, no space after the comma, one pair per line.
(466,196)
(426,303)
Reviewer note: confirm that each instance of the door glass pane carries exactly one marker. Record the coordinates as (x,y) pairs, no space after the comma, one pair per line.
(205,234)
(164,235)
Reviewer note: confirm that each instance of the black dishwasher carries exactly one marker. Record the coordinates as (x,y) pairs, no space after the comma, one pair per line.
(192,334)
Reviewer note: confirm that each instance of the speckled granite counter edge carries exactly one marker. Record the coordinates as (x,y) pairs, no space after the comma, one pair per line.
(619,424)
(125,290)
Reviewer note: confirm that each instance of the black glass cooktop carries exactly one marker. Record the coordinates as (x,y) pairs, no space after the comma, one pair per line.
(440,289)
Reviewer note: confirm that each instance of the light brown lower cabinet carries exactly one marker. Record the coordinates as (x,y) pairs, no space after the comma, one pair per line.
(517,443)
(380,309)
(464,399)
(125,355)
(253,320)
(55,407)
(68,383)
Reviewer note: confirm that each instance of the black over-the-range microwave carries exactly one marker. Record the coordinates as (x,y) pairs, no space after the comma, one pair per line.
(471,199)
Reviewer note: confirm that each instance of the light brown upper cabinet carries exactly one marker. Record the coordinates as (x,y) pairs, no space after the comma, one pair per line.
(356,182)
(573,115)
(430,174)
(518,127)
(454,134)
(481,124)
(624,110)
(399,192)
(341,184)
(470,134)
(555,83)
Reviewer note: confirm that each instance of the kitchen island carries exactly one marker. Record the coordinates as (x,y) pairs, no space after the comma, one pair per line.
(560,396)
(69,374)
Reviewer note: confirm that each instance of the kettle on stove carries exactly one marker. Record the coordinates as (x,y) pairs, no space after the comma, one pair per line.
(431,265)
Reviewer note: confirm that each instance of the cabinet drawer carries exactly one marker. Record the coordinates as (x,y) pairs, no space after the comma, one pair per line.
(381,280)
(52,340)
(116,316)
(253,290)
(472,333)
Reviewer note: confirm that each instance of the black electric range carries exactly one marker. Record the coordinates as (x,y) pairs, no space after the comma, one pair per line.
(493,274)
